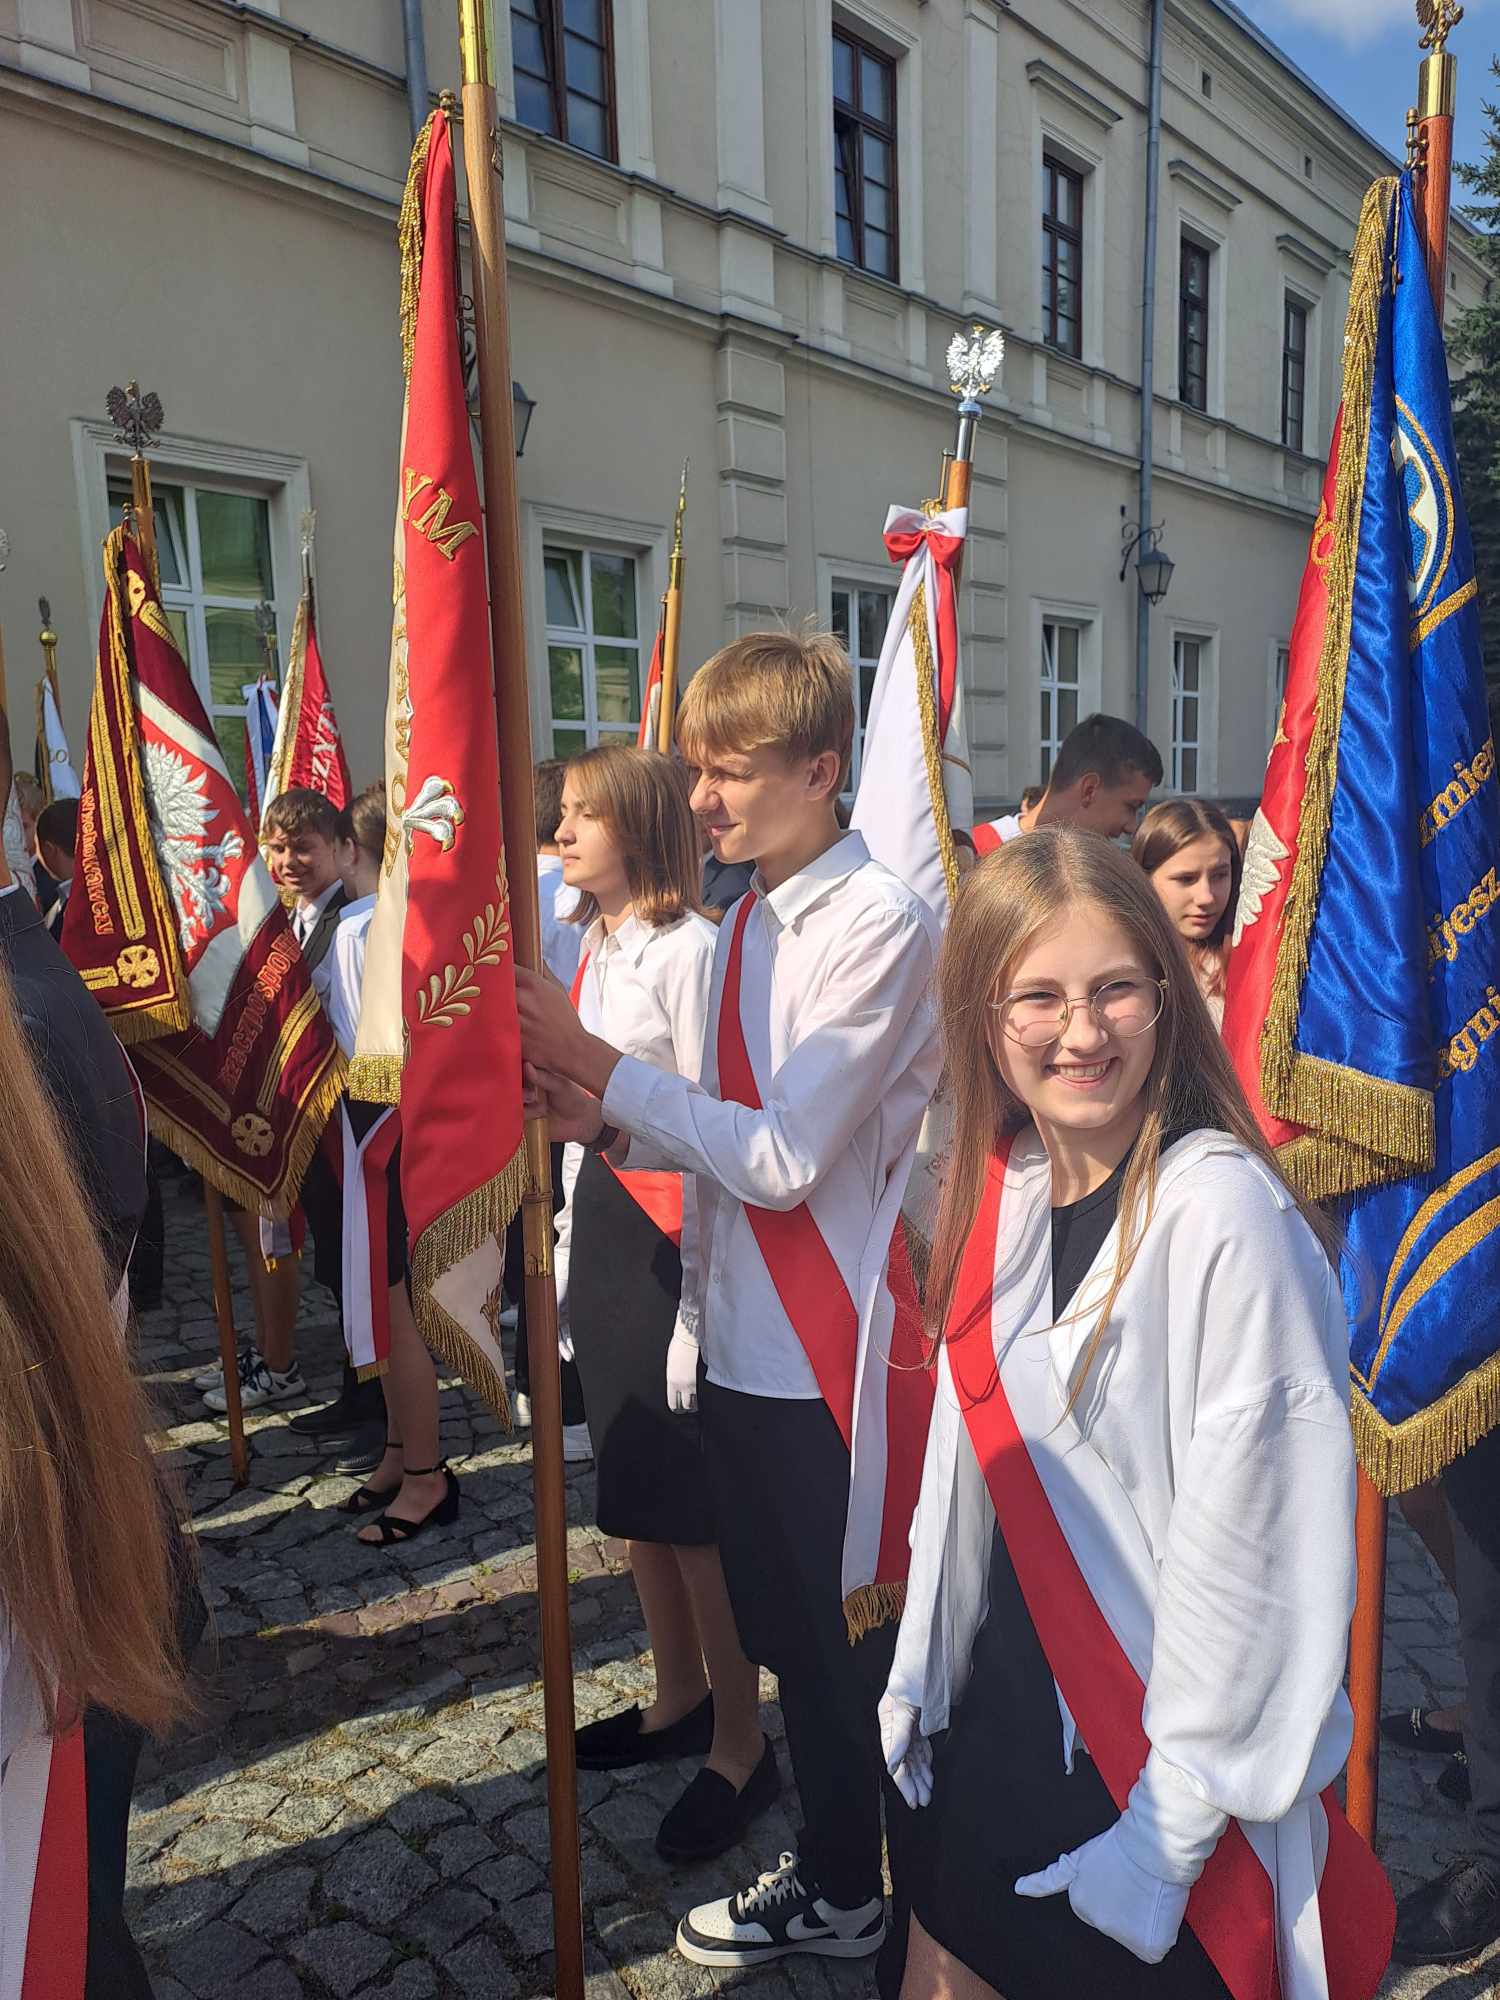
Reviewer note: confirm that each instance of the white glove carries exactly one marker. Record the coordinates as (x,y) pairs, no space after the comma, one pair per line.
(907,1752)
(682,1372)
(1133,1881)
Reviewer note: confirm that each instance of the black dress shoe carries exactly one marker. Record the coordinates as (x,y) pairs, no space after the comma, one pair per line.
(1412,1729)
(615,1742)
(1453,1783)
(1452,1918)
(711,1816)
(357,1403)
(364,1450)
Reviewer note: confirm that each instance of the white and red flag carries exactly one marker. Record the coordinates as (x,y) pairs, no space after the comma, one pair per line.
(260,738)
(438,1033)
(308,749)
(649,732)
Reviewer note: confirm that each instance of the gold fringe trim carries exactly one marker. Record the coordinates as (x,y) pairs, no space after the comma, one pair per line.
(1362,1129)
(285,747)
(375,1079)
(455,1235)
(149,1024)
(872,1605)
(372,1371)
(1400,1456)
(189,1145)
(932,750)
(409,241)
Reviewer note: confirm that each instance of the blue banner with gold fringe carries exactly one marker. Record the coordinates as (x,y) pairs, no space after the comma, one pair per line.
(1389,959)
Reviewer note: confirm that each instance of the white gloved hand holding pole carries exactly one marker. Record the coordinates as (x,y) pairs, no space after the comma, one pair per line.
(907,1752)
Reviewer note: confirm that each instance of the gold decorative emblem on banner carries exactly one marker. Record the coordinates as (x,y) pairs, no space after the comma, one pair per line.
(252,1134)
(448,993)
(138,965)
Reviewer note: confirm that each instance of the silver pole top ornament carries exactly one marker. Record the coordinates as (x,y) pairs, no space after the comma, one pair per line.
(974,360)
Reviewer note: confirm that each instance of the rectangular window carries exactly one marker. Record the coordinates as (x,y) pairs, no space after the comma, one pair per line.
(1192,325)
(860,614)
(1062,257)
(1062,644)
(864,154)
(593,647)
(563,58)
(1189,686)
(1293,372)
(214,551)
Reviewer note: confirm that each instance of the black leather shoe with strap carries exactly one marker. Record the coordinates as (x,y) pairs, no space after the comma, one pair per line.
(1412,1729)
(1452,1918)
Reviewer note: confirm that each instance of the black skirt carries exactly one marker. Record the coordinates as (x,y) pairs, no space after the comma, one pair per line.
(624,1284)
(1003,1806)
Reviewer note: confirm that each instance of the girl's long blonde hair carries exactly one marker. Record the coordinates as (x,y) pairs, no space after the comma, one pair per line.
(85,1577)
(1004,904)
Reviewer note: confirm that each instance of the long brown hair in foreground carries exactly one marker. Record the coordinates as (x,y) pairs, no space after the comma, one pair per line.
(1165,831)
(85,1578)
(1004,904)
(642,797)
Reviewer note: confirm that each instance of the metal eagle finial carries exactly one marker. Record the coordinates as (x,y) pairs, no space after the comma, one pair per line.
(137,419)
(1437,20)
(681,510)
(974,360)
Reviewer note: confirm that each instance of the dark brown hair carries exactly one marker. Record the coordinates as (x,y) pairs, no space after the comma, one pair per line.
(1165,831)
(85,1577)
(364,820)
(547,784)
(300,810)
(642,797)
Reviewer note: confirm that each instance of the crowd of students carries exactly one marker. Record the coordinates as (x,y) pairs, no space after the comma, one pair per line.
(1054,1567)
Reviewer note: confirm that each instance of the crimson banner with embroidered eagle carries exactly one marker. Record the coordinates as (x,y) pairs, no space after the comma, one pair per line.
(308,749)
(176,928)
(438,1033)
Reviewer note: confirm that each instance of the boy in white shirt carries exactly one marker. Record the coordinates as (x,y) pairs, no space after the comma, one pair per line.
(820,1059)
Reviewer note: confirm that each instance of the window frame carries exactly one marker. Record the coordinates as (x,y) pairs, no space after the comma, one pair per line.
(586,640)
(1189,248)
(1292,305)
(1056,231)
(550,21)
(856,586)
(887,131)
(1204,774)
(1050,686)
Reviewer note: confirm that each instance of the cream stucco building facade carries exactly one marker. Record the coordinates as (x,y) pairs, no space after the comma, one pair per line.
(750,248)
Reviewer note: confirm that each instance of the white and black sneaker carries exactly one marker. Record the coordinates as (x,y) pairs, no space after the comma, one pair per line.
(259,1383)
(213,1378)
(776,1918)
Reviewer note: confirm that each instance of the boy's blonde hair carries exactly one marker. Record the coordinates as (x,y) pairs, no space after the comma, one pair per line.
(792,691)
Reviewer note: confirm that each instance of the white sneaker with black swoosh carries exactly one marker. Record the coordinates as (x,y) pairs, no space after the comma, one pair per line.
(775,1918)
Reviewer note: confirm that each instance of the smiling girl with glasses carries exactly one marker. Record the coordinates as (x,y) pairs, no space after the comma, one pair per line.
(1117,1694)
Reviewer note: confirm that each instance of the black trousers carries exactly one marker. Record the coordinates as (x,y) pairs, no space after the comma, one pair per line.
(515,1290)
(779,1473)
(1472,1485)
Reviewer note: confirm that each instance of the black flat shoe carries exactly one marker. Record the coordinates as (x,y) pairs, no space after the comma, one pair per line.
(363,1450)
(1453,1784)
(615,1742)
(1451,1919)
(392,1532)
(1410,1729)
(711,1816)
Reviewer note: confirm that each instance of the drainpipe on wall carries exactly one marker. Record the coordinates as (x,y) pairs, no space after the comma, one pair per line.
(1148,361)
(416,65)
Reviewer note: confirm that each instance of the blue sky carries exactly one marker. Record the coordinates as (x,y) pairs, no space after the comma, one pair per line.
(1364,54)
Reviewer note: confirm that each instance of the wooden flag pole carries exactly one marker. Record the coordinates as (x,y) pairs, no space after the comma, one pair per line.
(1430,155)
(672,628)
(508,629)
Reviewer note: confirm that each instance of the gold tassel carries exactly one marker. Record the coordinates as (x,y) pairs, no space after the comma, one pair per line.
(456,1234)
(375,1079)
(409,241)
(371,1371)
(1363,1129)
(1400,1456)
(932,750)
(872,1605)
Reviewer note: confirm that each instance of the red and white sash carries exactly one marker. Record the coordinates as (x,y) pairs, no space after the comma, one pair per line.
(827,1321)
(986,837)
(367,1283)
(1233,1909)
(660,1195)
(43,1864)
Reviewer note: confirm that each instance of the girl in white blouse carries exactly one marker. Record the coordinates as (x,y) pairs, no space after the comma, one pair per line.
(1117,1699)
(628,1292)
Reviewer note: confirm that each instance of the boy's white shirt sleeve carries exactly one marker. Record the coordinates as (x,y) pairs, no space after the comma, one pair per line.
(853,1037)
(687,1003)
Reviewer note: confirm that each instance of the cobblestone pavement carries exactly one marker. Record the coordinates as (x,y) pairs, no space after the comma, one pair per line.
(359,1809)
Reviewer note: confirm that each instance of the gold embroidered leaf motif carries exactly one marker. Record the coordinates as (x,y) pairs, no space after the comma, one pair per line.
(447,994)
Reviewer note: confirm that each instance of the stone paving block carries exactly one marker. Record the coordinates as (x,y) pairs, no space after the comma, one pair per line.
(457,1849)
(506,1879)
(275,1980)
(278,1903)
(479,1969)
(344,1956)
(212,1959)
(378,1873)
(415,1980)
(445,1919)
(183,1907)
(416,1812)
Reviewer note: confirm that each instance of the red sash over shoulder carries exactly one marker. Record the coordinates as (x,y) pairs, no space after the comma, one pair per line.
(1232,1909)
(660,1195)
(825,1319)
(57,1937)
(985,836)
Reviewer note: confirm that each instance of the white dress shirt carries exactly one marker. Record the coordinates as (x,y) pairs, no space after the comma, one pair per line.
(835,1000)
(561,941)
(346,971)
(304,923)
(645,990)
(1007,827)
